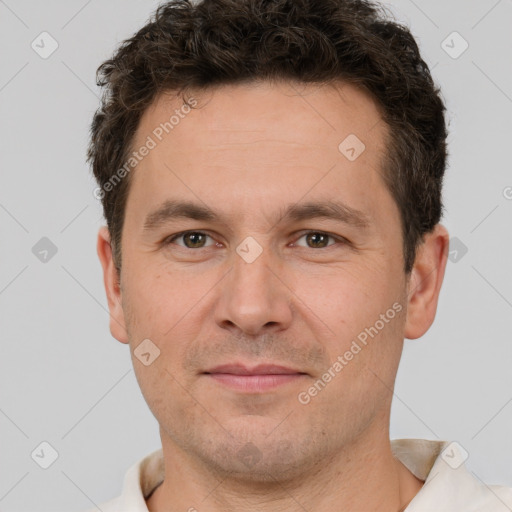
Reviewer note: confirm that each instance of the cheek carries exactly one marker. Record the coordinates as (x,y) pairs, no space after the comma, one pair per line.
(160,388)
(361,314)
(166,308)
(348,298)
(159,300)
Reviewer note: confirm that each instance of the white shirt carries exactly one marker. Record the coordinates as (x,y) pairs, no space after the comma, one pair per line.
(448,487)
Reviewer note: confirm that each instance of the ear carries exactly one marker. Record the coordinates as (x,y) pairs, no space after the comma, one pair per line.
(112,286)
(425,282)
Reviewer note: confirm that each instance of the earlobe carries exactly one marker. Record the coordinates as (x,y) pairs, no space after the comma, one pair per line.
(112,286)
(425,282)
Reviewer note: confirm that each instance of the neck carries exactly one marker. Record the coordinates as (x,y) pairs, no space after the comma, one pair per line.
(363,476)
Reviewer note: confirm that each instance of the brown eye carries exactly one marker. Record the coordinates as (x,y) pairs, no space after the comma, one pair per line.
(194,240)
(190,239)
(316,240)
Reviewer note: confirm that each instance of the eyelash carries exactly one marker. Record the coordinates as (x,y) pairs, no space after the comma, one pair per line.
(338,239)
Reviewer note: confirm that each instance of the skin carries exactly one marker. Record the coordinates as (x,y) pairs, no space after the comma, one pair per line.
(248,152)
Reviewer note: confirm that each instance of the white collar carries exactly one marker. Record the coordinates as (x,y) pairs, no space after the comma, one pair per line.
(448,487)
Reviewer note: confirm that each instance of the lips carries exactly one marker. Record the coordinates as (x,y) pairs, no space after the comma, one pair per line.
(263,378)
(262,369)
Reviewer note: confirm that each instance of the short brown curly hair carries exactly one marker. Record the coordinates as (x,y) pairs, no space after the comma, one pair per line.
(208,43)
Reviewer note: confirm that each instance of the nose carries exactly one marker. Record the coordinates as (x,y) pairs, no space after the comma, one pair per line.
(254,299)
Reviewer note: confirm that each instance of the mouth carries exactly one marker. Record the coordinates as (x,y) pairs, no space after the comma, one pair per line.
(257,379)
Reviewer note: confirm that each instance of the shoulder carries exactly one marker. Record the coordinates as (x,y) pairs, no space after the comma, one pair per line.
(139,481)
(503,493)
(448,484)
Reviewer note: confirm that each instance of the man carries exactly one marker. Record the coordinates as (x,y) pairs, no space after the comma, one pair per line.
(270,172)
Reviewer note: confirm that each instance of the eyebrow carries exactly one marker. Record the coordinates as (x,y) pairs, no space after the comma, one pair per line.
(170,210)
(176,209)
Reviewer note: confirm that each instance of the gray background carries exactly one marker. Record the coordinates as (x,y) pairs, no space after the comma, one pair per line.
(66,381)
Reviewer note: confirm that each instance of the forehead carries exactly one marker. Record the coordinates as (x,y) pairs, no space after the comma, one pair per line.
(237,113)
(254,141)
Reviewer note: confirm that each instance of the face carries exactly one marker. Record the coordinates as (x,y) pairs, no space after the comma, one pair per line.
(252,238)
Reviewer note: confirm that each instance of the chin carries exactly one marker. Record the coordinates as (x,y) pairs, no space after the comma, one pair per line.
(268,459)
